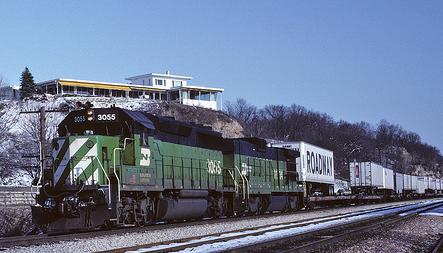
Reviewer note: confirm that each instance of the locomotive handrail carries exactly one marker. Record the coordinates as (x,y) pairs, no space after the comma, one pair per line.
(116,176)
(106,174)
(245,187)
(115,171)
(235,181)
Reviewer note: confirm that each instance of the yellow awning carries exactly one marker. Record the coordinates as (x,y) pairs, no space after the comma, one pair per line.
(95,85)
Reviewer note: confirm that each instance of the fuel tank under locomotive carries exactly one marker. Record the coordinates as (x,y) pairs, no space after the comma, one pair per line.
(189,204)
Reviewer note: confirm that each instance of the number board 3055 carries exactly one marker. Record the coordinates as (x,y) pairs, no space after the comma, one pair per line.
(106,117)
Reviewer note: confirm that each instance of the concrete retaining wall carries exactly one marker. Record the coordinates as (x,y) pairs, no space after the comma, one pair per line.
(16,196)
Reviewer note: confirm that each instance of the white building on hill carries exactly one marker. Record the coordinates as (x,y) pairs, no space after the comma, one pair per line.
(153,86)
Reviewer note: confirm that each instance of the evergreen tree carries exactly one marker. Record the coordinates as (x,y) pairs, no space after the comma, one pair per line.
(27,84)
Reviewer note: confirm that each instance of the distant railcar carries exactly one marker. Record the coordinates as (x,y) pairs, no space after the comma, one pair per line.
(371,178)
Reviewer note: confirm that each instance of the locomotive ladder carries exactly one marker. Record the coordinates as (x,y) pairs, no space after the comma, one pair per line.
(245,183)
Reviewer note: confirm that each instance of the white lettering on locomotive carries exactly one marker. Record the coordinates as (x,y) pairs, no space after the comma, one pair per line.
(106,117)
(245,169)
(278,173)
(145,157)
(214,167)
(79,119)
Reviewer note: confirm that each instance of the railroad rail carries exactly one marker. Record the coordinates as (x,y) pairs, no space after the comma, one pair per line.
(322,238)
(29,240)
(245,240)
(438,247)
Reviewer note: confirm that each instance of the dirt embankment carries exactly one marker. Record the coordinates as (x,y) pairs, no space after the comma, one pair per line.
(218,120)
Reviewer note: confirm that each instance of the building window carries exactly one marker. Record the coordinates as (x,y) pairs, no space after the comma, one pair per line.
(160,82)
(163,96)
(102,92)
(118,93)
(148,94)
(204,95)
(144,138)
(193,94)
(184,94)
(176,83)
(135,93)
(174,96)
(84,91)
(213,96)
(68,89)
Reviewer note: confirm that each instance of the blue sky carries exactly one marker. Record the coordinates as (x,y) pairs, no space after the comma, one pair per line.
(355,60)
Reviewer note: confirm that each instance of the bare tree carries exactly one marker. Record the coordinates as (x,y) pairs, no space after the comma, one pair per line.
(8,154)
(241,110)
(388,144)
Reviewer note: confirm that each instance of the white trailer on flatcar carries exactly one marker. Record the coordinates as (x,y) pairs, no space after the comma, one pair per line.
(315,166)
(407,182)
(438,185)
(369,177)
(399,183)
(422,184)
(414,183)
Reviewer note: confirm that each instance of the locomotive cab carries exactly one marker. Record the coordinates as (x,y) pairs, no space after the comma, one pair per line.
(82,189)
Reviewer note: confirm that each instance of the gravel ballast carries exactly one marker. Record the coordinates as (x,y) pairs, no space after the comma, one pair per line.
(418,234)
(223,225)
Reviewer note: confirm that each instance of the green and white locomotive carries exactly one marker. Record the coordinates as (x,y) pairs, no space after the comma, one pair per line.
(116,166)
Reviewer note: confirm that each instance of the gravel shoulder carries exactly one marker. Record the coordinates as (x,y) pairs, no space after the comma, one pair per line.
(418,234)
(224,225)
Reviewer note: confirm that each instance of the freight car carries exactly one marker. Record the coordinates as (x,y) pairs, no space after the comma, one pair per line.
(315,167)
(115,166)
(371,178)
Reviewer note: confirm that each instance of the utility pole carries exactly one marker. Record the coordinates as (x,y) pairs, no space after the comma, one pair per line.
(42,139)
(42,142)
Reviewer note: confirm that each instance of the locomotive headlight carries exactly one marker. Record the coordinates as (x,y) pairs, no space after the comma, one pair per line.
(89,115)
(49,203)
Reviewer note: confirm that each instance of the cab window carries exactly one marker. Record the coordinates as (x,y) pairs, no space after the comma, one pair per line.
(144,138)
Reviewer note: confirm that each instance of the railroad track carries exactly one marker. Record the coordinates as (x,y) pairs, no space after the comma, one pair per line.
(438,247)
(262,239)
(29,240)
(322,238)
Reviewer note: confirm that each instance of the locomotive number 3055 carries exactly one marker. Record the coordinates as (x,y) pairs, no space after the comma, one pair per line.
(106,117)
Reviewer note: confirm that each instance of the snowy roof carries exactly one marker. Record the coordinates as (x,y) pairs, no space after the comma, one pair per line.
(200,88)
(159,75)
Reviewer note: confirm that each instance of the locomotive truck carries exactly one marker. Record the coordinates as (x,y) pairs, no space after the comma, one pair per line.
(116,166)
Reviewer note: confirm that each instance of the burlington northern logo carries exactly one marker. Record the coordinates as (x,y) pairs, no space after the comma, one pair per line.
(145,159)
(319,164)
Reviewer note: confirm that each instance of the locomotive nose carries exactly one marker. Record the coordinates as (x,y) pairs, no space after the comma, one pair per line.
(72,157)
